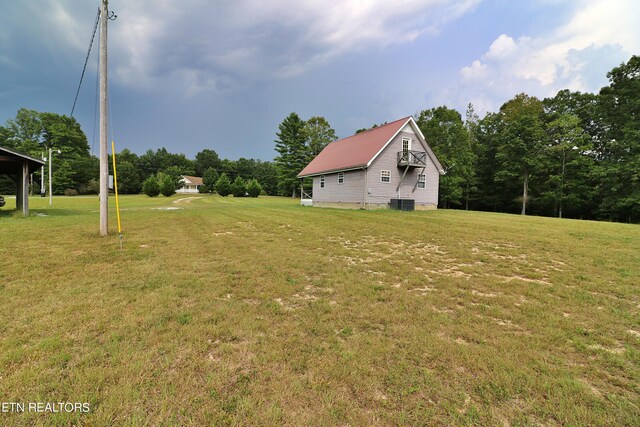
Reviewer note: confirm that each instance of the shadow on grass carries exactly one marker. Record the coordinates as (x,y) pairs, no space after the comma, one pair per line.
(15,213)
(9,213)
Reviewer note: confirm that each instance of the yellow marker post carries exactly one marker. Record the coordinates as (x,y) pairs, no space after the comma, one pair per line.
(115,186)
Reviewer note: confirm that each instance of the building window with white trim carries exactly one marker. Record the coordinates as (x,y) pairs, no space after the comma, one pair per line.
(340,177)
(385,176)
(406,144)
(321,181)
(422,181)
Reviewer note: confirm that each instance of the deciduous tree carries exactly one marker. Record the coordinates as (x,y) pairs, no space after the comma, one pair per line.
(620,106)
(445,133)
(209,178)
(521,142)
(319,134)
(206,159)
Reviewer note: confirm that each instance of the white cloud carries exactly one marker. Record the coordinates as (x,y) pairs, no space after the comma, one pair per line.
(502,47)
(599,35)
(477,70)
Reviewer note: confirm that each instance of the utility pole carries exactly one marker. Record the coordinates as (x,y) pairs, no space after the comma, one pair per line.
(42,190)
(50,186)
(104,164)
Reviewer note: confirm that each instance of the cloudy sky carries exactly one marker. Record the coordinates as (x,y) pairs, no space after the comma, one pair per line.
(195,74)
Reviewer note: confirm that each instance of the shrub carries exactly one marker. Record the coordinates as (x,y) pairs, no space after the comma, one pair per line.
(239,187)
(254,188)
(92,187)
(223,185)
(150,187)
(70,192)
(168,186)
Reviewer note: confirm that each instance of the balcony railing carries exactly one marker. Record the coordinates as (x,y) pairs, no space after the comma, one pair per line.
(412,158)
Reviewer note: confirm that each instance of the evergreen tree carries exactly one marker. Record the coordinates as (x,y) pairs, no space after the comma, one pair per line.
(150,187)
(292,153)
(168,186)
(239,187)
(223,185)
(175,173)
(254,188)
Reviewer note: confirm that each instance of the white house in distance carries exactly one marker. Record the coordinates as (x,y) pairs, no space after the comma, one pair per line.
(190,184)
(387,166)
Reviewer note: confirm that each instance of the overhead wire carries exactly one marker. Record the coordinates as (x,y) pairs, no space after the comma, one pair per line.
(95,109)
(95,27)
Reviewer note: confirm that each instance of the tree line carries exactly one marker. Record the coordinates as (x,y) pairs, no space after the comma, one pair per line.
(76,171)
(572,155)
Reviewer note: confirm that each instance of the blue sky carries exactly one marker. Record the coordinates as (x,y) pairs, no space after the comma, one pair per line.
(194,74)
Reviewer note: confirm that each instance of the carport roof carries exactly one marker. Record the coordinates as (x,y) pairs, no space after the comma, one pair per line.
(11,161)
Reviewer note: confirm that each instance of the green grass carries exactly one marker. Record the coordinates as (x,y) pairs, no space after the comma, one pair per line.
(262,312)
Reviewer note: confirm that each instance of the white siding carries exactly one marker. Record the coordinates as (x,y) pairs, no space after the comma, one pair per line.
(408,129)
(382,192)
(351,191)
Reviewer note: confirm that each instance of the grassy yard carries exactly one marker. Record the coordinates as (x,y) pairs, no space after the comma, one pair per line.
(261,312)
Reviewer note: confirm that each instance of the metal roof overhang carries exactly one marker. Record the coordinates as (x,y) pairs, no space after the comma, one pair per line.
(11,161)
(327,172)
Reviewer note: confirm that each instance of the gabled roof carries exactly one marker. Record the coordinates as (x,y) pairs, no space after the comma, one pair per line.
(360,150)
(195,180)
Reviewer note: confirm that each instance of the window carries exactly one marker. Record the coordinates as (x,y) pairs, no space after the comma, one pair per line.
(406,144)
(340,177)
(385,176)
(422,181)
(321,181)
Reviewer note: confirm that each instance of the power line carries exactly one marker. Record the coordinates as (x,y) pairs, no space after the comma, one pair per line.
(95,27)
(95,108)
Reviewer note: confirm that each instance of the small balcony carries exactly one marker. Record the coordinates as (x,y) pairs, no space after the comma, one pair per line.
(412,158)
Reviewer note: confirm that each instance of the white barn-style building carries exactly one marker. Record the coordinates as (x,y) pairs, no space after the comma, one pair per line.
(388,166)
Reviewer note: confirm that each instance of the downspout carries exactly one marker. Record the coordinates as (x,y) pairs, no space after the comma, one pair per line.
(366,187)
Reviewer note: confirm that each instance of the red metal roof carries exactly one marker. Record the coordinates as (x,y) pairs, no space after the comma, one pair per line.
(353,152)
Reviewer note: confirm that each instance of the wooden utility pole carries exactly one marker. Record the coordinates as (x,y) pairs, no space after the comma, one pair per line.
(104,164)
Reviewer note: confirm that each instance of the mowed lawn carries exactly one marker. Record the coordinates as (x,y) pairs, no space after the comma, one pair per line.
(262,312)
